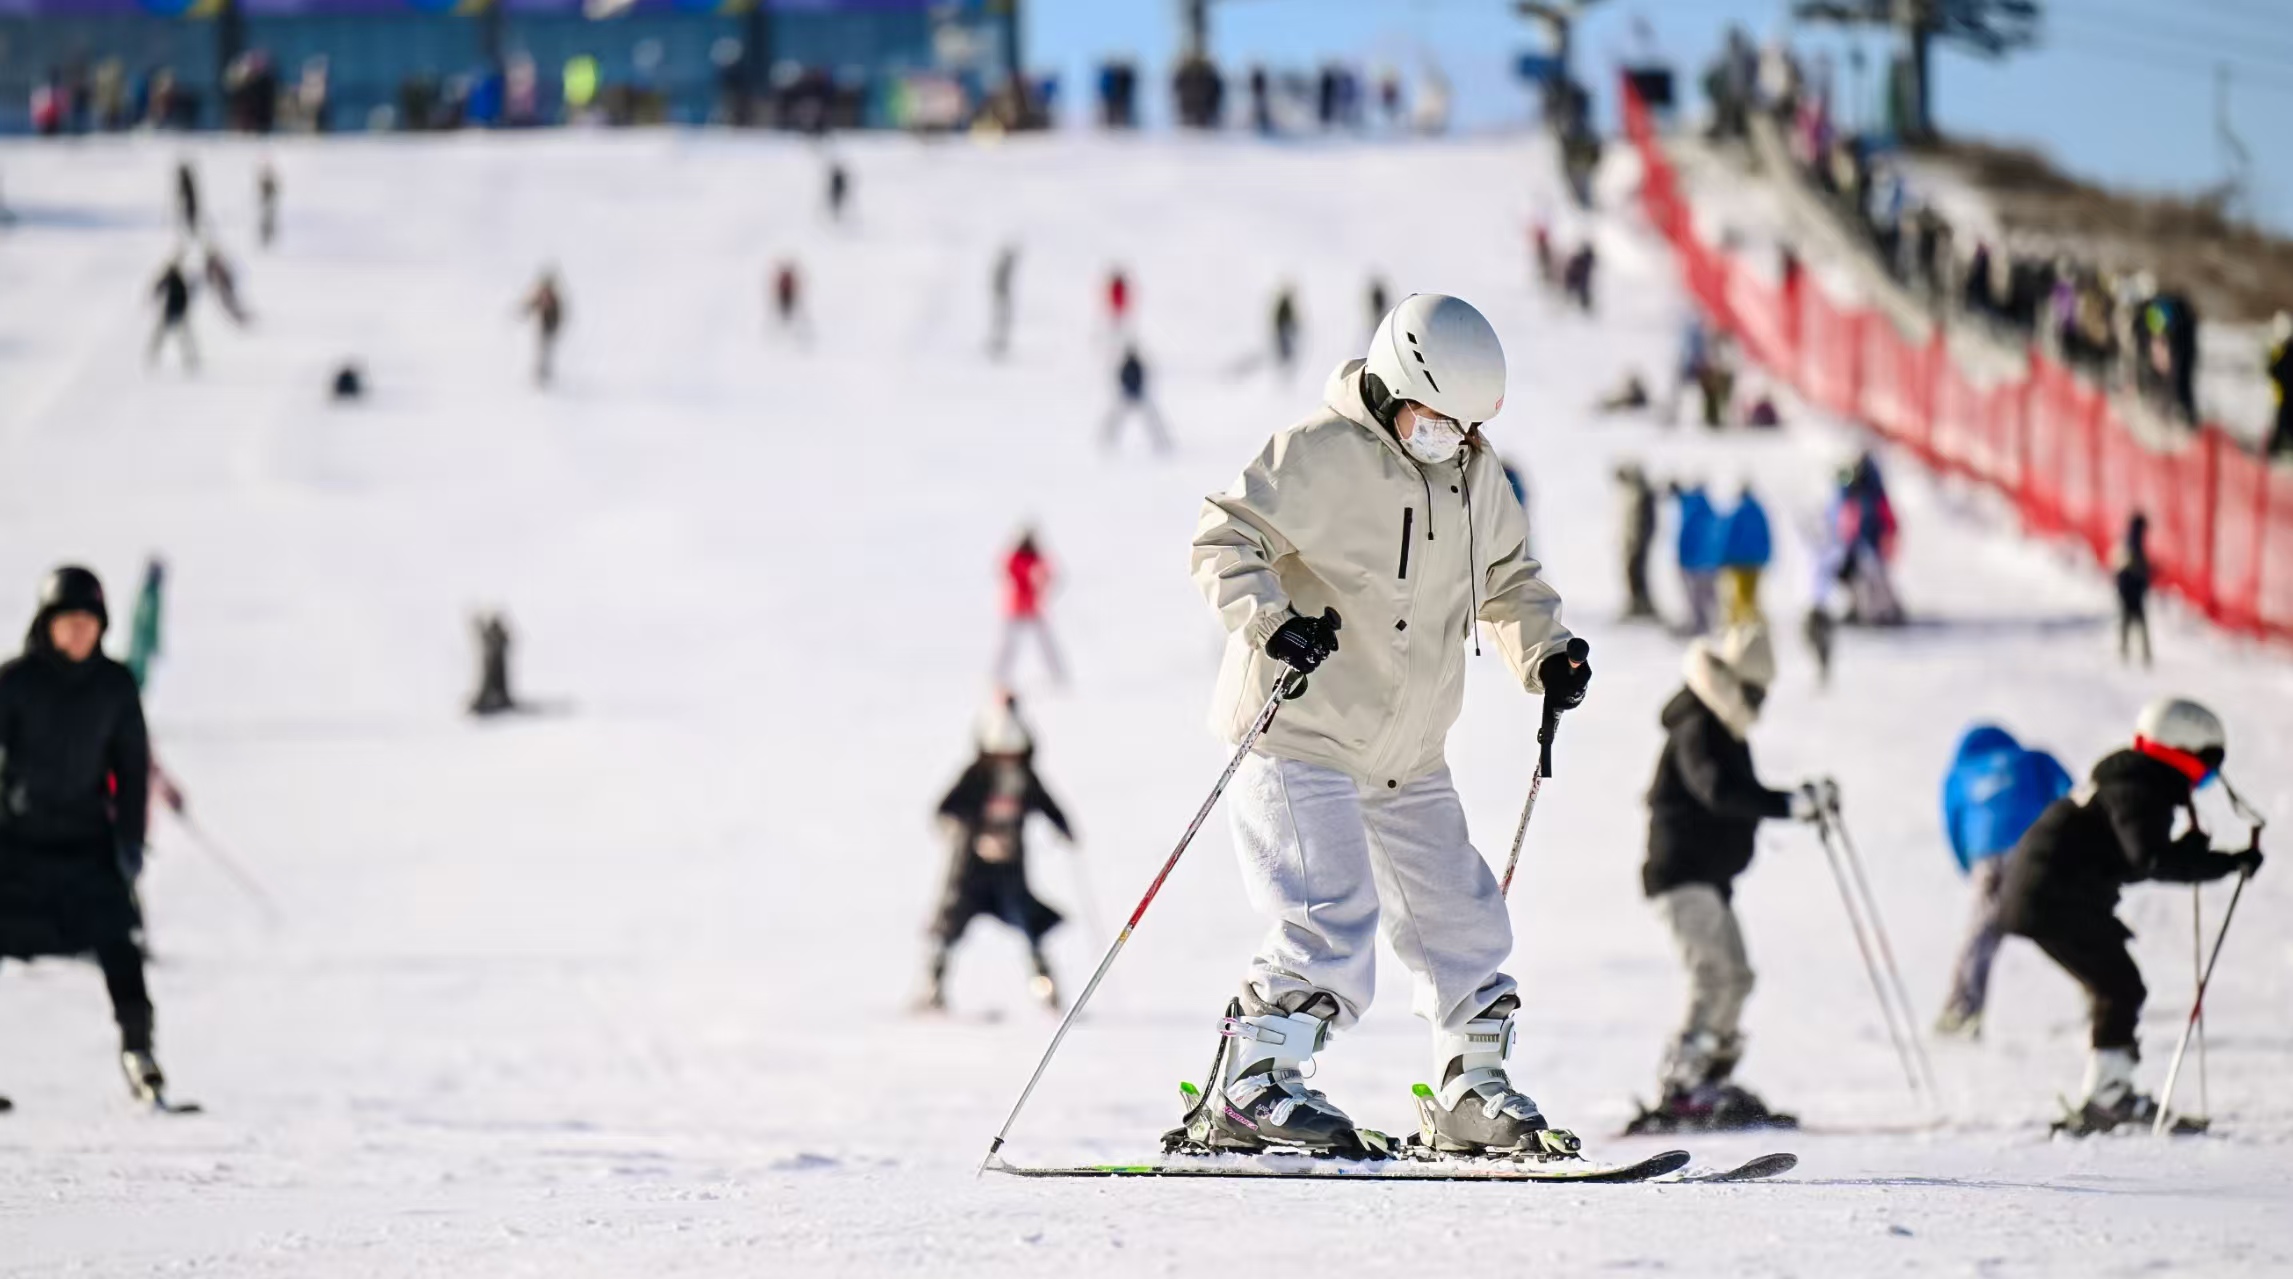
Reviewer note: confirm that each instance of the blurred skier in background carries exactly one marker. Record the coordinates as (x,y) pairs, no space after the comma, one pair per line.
(1541,255)
(1577,276)
(1131,401)
(984,818)
(1027,579)
(546,304)
(1118,300)
(1285,330)
(1345,810)
(1863,524)
(187,199)
(1994,790)
(267,204)
(493,696)
(1636,501)
(1695,353)
(1704,809)
(172,290)
(75,764)
(788,301)
(2061,885)
(1696,546)
(1380,301)
(2130,569)
(223,282)
(1746,546)
(839,190)
(999,301)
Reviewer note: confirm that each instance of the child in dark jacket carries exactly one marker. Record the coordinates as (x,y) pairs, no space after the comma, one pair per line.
(1704,809)
(2063,878)
(984,816)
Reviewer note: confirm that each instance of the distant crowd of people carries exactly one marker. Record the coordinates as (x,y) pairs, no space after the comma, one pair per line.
(2122,328)
(1330,98)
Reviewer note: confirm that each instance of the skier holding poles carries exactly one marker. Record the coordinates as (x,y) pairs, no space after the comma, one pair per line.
(1385,506)
(1704,810)
(2062,883)
(1353,778)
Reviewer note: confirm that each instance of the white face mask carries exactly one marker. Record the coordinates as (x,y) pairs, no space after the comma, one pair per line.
(1434,440)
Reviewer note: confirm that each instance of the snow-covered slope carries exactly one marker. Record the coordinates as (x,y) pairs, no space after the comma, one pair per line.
(620,988)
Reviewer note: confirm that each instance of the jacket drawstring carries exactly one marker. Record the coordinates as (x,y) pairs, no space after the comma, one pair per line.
(1472,557)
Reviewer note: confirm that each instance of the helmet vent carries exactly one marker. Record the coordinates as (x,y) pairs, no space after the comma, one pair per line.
(1430,382)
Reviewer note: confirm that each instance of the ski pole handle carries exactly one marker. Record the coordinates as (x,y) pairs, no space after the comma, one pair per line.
(1578,650)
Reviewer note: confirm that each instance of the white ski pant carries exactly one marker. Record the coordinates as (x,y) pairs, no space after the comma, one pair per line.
(1329,861)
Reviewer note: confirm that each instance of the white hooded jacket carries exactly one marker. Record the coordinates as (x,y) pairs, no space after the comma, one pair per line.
(1332,513)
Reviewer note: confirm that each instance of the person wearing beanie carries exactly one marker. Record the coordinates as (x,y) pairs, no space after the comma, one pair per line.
(1704,809)
(2062,881)
(984,817)
(75,772)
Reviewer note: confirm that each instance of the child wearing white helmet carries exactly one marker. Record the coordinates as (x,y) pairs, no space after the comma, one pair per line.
(2061,884)
(1384,509)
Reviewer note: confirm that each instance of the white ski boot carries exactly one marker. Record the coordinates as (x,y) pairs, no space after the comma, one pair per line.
(2111,1100)
(1258,1099)
(1477,1110)
(144,1080)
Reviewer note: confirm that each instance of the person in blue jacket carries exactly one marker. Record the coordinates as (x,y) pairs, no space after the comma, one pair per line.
(1746,546)
(1996,788)
(1698,549)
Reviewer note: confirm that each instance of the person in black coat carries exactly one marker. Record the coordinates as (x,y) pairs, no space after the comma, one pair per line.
(985,818)
(1704,809)
(75,770)
(2131,573)
(172,290)
(2061,884)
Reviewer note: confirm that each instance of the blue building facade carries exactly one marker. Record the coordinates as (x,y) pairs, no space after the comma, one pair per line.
(74,65)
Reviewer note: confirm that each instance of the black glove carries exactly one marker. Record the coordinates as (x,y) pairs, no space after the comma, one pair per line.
(1304,643)
(2248,862)
(1566,675)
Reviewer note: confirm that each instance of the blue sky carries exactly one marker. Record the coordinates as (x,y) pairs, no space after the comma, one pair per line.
(2122,91)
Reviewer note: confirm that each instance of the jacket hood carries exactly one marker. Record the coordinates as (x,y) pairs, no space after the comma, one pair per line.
(1342,393)
(1985,739)
(1718,688)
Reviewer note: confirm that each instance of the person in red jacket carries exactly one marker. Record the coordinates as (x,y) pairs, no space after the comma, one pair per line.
(1026,580)
(1118,299)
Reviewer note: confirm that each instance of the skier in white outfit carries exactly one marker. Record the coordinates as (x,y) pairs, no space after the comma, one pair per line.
(1385,509)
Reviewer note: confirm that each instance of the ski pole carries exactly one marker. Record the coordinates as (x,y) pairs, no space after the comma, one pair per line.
(170,796)
(1887,956)
(2197,976)
(1863,945)
(2197,1008)
(232,870)
(1286,686)
(1578,650)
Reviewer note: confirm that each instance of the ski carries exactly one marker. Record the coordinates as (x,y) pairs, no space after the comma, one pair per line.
(1759,1169)
(1308,1167)
(162,1106)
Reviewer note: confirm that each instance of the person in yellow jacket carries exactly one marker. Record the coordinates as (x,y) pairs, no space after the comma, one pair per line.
(1384,511)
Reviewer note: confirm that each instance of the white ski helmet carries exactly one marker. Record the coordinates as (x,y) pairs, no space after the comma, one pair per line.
(2183,725)
(1440,352)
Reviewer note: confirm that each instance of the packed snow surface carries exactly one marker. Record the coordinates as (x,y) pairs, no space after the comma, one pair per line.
(619,987)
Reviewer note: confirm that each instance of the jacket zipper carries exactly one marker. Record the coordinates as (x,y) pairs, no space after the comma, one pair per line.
(1408,519)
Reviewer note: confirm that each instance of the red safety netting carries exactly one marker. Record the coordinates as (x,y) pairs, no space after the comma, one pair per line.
(2220,519)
